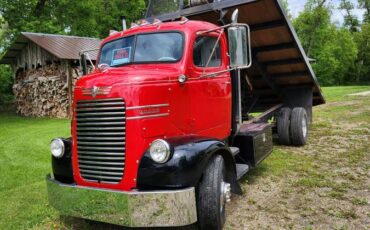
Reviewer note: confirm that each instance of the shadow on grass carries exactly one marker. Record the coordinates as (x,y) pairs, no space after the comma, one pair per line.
(77,223)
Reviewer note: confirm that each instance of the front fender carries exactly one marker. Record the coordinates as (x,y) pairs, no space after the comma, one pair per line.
(190,156)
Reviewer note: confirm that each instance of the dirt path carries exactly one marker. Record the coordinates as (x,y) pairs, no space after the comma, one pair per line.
(324,185)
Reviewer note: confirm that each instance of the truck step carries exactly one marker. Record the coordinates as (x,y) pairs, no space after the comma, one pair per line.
(234,151)
(241,170)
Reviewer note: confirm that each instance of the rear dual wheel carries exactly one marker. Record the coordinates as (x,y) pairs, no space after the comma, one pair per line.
(292,126)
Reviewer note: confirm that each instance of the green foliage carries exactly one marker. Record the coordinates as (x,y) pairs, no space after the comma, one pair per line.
(365,4)
(362,68)
(95,18)
(350,20)
(92,18)
(334,49)
(6,82)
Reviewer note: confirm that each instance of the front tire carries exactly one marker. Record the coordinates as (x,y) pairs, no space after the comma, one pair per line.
(212,195)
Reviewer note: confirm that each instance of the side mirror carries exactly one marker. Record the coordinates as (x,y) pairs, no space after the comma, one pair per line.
(83,63)
(239,44)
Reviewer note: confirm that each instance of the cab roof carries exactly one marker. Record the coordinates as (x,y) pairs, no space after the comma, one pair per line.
(189,26)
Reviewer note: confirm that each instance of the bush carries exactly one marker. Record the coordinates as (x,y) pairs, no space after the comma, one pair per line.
(6,82)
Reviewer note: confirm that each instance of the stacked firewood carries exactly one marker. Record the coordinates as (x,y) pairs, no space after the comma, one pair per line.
(43,92)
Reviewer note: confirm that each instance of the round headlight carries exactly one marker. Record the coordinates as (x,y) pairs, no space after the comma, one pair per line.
(160,151)
(57,147)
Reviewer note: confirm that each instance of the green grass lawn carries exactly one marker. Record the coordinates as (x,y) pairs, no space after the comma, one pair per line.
(25,160)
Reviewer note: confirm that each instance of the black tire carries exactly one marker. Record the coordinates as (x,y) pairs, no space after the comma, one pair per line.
(283,126)
(299,126)
(211,211)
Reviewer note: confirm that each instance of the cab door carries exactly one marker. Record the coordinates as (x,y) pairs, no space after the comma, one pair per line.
(210,95)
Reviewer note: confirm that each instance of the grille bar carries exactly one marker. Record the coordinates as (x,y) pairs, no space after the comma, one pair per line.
(93,134)
(101,139)
(100,119)
(83,152)
(100,158)
(80,105)
(101,172)
(99,128)
(109,169)
(101,114)
(80,124)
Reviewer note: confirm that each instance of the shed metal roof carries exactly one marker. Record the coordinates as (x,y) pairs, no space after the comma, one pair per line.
(61,46)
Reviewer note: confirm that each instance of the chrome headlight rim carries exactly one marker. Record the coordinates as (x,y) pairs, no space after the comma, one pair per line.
(167,152)
(61,142)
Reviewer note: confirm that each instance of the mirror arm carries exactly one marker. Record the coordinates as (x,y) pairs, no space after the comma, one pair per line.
(213,50)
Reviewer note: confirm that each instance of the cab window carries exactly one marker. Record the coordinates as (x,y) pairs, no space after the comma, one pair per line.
(202,51)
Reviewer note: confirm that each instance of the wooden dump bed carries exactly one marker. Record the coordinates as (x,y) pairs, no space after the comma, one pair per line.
(279,61)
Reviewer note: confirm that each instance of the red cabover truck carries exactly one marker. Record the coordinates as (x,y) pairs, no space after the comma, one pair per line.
(163,130)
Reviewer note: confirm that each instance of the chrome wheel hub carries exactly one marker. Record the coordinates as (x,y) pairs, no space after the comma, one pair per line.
(304,127)
(225,194)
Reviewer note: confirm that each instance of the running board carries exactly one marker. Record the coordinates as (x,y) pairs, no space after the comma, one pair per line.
(234,151)
(241,170)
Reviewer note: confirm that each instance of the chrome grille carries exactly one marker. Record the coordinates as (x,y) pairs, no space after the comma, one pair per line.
(101,139)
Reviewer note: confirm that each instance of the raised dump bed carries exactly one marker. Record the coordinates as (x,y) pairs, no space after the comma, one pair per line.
(281,72)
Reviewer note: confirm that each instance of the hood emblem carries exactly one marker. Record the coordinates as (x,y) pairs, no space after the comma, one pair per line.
(95,91)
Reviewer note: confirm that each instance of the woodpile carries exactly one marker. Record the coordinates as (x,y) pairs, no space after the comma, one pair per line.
(43,92)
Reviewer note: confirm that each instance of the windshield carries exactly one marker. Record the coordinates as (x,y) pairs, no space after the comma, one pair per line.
(143,48)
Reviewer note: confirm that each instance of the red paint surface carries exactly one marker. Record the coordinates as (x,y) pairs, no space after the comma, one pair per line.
(201,106)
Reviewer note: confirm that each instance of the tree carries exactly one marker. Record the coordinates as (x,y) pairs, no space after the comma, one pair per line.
(350,20)
(285,6)
(363,60)
(312,23)
(6,83)
(334,49)
(365,4)
(97,17)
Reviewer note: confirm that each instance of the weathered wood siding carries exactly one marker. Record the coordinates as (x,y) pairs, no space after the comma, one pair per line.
(32,56)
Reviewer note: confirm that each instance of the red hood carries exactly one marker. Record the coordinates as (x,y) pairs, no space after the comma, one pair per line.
(132,74)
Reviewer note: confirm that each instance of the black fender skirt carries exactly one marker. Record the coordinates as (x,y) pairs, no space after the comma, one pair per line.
(190,156)
(62,167)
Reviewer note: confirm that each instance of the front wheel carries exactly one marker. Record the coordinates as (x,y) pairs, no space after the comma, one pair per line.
(213,192)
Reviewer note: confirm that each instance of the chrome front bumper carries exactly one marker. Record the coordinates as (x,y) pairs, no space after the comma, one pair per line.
(131,209)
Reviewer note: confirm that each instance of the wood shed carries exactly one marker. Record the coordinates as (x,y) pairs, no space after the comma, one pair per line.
(46,67)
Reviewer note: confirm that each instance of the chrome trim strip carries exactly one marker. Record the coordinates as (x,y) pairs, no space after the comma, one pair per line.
(147,106)
(148,116)
(131,209)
